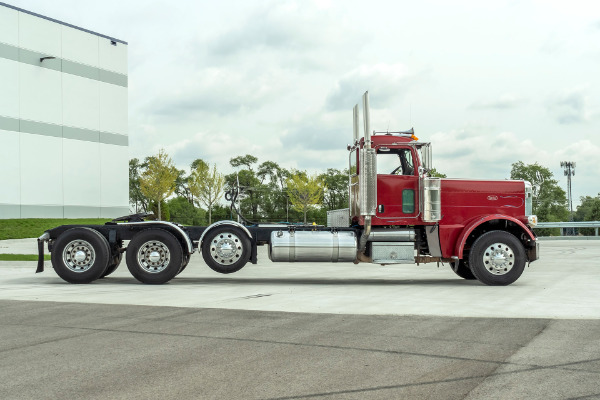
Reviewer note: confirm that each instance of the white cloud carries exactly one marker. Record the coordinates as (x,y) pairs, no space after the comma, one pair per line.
(278,79)
(504,102)
(387,81)
(570,107)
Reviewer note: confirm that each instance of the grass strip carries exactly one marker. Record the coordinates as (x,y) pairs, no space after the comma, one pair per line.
(35,227)
(22,257)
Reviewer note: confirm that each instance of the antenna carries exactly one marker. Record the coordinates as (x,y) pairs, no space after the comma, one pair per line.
(569,167)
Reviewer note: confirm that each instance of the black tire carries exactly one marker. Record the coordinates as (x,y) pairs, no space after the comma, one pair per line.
(461,268)
(154,256)
(80,255)
(226,249)
(114,264)
(497,258)
(186,261)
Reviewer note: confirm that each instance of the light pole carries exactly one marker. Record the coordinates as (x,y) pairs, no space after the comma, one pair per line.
(569,168)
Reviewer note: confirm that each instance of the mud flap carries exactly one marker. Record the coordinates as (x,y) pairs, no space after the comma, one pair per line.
(533,253)
(40,265)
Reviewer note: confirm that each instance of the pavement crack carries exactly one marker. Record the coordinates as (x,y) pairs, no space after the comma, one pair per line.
(87,333)
(508,357)
(314,345)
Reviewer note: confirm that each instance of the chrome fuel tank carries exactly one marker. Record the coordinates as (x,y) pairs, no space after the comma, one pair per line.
(312,246)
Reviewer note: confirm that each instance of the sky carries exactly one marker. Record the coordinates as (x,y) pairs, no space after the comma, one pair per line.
(487,83)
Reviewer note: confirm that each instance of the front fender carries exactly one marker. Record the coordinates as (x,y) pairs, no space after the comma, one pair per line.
(462,240)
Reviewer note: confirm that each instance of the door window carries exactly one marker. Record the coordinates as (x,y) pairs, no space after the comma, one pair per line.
(395,162)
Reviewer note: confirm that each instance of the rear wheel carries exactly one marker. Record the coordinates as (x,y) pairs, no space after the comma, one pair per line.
(497,258)
(186,261)
(114,264)
(154,256)
(226,249)
(80,255)
(461,268)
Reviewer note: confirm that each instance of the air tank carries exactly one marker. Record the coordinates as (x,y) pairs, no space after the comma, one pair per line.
(312,246)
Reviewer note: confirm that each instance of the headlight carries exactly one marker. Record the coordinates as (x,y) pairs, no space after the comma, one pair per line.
(532,220)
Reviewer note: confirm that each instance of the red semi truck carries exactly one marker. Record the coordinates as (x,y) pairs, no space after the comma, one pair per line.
(398,214)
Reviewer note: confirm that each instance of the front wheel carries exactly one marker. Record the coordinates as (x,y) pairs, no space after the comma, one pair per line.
(226,249)
(497,258)
(154,256)
(461,269)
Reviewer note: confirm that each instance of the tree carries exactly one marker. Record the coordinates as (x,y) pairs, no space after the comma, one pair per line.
(246,161)
(336,192)
(206,184)
(157,182)
(435,174)
(183,212)
(549,199)
(588,210)
(250,186)
(273,200)
(305,191)
(136,197)
(182,186)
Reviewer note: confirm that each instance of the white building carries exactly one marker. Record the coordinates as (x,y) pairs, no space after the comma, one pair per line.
(63,119)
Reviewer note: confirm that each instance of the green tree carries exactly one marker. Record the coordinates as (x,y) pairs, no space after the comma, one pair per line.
(588,210)
(206,184)
(435,174)
(244,161)
(183,212)
(250,186)
(273,197)
(336,188)
(549,199)
(157,182)
(136,197)
(182,186)
(305,191)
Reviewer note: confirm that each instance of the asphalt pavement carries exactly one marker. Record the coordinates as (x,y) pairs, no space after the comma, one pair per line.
(295,331)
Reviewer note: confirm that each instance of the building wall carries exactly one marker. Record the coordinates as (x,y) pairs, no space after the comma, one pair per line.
(63,121)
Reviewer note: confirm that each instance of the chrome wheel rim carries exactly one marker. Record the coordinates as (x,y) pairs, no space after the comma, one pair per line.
(79,255)
(153,256)
(498,259)
(226,248)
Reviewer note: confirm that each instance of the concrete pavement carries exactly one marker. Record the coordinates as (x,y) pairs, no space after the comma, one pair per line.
(299,331)
(94,351)
(564,283)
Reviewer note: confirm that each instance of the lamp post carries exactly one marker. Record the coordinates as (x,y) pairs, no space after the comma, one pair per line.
(569,168)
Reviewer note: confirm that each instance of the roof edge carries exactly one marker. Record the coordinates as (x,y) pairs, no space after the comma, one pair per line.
(63,23)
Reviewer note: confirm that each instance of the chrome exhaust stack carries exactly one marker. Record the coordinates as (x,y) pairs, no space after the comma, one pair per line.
(368,175)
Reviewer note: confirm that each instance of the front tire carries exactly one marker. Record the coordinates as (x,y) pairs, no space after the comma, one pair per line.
(80,255)
(154,256)
(226,249)
(497,258)
(461,268)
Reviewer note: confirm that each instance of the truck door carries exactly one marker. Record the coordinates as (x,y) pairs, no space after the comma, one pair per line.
(397,184)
